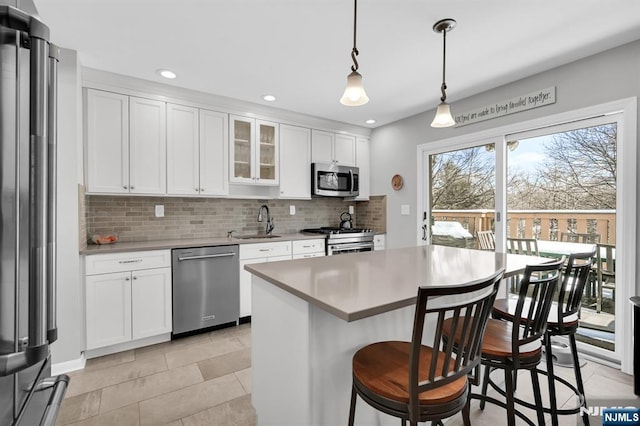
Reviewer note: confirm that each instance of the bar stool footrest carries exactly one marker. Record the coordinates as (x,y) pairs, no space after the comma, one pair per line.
(500,404)
(563,411)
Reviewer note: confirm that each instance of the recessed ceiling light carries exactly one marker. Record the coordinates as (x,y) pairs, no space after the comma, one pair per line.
(166,73)
(269,98)
(370,121)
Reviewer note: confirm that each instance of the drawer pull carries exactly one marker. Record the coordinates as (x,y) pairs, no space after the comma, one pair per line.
(266,249)
(130,261)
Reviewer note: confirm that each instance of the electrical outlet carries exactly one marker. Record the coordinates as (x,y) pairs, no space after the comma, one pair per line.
(351,210)
(292,210)
(159,210)
(405,210)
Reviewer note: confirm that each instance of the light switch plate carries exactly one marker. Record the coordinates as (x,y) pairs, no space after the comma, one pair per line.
(405,210)
(292,210)
(159,210)
(351,210)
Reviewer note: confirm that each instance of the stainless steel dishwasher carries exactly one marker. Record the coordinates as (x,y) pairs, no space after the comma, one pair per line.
(206,287)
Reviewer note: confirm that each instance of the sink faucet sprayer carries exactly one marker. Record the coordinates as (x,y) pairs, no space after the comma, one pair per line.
(269,226)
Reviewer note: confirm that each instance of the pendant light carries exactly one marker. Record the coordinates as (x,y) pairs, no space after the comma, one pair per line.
(443,116)
(354,94)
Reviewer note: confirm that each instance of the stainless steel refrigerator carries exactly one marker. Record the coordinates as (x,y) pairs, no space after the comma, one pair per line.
(28,396)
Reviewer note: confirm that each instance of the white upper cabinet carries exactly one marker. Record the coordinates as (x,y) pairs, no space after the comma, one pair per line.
(107,142)
(126,145)
(344,150)
(362,161)
(147,146)
(322,146)
(254,146)
(214,134)
(327,147)
(183,150)
(196,151)
(295,162)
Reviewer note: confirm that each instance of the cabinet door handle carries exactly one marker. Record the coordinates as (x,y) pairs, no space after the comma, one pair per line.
(132,187)
(127,279)
(135,278)
(130,261)
(125,187)
(201,189)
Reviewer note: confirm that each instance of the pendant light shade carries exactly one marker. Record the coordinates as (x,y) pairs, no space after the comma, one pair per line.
(443,116)
(354,94)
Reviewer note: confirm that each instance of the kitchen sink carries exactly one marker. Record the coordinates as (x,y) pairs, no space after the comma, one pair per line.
(255,236)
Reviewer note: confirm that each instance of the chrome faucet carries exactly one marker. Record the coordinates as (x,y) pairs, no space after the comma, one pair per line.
(269,226)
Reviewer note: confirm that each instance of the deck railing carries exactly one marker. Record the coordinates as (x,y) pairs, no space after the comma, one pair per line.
(541,224)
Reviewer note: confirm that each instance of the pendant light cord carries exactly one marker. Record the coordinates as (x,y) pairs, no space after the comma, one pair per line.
(354,52)
(444,59)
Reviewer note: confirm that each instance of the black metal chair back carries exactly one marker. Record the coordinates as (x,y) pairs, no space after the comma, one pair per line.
(467,308)
(575,277)
(537,289)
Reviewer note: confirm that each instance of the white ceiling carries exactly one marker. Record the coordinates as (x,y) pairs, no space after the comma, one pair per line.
(299,50)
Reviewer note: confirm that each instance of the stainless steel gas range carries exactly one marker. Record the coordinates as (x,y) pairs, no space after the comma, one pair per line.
(345,240)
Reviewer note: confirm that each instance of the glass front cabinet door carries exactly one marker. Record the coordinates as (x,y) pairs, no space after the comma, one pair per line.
(254,151)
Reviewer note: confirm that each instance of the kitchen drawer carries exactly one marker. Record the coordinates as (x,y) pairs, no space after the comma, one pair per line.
(119,262)
(308,246)
(306,255)
(252,251)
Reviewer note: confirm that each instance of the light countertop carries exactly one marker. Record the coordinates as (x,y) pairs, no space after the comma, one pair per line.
(121,247)
(360,285)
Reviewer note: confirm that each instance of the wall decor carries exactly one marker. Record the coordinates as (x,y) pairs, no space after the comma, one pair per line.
(521,103)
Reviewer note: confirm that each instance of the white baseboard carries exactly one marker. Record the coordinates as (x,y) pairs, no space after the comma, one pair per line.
(68,366)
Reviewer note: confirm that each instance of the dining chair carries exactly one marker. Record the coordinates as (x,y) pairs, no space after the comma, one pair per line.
(573,237)
(605,272)
(418,382)
(528,246)
(563,320)
(517,344)
(486,240)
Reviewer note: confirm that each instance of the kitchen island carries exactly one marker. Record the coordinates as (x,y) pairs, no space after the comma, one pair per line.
(311,315)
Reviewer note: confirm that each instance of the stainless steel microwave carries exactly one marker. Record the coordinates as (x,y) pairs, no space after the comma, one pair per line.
(331,180)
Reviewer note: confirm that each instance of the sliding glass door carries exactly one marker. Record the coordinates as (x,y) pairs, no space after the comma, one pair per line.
(462,197)
(561,195)
(566,183)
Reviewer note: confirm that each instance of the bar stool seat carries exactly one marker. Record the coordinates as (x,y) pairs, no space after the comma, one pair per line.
(383,368)
(497,342)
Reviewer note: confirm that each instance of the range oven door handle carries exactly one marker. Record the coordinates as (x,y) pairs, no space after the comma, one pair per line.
(206,256)
(337,248)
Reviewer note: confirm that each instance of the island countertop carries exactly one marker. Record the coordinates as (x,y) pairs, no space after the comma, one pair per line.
(360,285)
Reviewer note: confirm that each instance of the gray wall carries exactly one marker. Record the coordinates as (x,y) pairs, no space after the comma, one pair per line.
(70,301)
(605,77)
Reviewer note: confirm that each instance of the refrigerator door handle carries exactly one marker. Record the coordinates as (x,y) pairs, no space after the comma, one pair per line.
(52,153)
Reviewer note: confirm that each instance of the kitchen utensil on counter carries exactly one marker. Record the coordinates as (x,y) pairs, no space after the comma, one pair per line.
(346,222)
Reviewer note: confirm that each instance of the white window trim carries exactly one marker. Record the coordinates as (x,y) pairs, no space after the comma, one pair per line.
(625,201)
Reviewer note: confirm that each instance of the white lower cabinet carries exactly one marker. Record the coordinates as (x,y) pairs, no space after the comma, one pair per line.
(128,297)
(258,253)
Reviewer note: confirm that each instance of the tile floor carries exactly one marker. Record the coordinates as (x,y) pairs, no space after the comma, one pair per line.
(206,380)
(197,380)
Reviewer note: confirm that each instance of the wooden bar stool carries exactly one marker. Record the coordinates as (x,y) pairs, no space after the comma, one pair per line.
(516,344)
(562,321)
(419,383)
